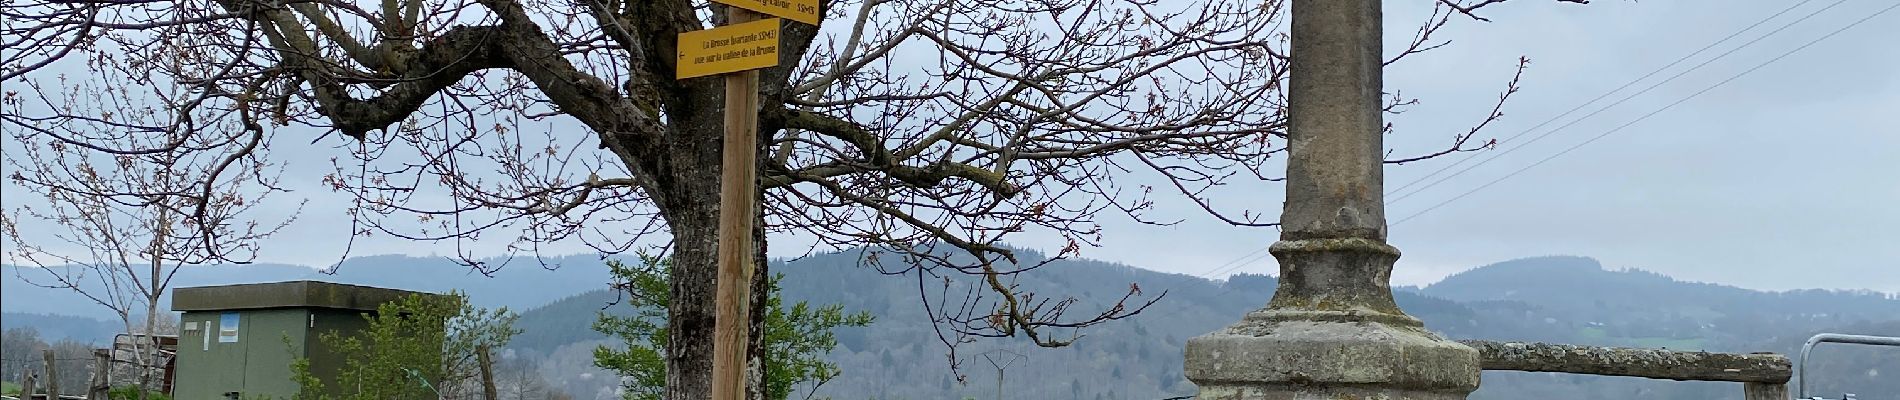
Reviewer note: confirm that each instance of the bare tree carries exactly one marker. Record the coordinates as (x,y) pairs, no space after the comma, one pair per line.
(520,380)
(924,131)
(19,353)
(123,181)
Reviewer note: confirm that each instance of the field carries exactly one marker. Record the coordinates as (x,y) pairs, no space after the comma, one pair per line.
(1691,344)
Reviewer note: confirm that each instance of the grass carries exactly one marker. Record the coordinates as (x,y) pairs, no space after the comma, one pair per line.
(1691,344)
(9,388)
(131,393)
(1593,333)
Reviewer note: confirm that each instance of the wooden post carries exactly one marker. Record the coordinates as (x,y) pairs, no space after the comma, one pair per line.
(737,197)
(52,375)
(26,387)
(488,373)
(1764,391)
(171,367)
(101,368)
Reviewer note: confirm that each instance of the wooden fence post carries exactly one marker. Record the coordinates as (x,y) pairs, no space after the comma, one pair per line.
(101,369)
(1764,391)
(52,375)
(26,387)
(488,373)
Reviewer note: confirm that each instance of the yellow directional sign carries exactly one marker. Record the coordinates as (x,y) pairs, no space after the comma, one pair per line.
(730,48)
(805,11)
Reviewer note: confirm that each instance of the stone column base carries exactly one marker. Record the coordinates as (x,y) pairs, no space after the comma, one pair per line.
(1271,359)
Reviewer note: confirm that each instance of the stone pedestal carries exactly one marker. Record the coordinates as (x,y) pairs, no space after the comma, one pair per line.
(1332,330)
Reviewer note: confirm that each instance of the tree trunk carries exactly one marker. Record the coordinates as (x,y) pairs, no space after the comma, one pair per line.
(488,372)
(690,312)
(690,204)
(761,273)
(147,346)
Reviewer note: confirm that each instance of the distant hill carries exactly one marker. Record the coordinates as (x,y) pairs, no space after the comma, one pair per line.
(97,332)
(1576,283)
(523,283)
(1560,299)
(1556,299)
(1637,308)
(1575,300)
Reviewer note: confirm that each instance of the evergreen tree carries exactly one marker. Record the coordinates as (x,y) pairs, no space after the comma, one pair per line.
(417,347)
(796,338)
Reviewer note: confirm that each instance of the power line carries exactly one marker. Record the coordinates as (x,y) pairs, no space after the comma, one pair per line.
(1254,255)
(1608,93)
(1230,288)
(1230,265)
(1651,113)
(1237,262)
(1495,155)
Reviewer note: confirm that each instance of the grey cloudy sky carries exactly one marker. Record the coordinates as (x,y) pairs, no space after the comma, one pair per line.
(1781,179)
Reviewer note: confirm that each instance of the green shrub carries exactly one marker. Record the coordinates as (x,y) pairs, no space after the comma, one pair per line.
(132,393)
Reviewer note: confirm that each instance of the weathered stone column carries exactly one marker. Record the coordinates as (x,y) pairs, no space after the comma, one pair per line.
(1332,330)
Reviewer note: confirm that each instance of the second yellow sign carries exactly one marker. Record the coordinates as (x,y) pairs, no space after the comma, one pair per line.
(730,48)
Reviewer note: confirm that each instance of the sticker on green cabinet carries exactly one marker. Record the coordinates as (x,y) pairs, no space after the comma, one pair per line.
(228,328)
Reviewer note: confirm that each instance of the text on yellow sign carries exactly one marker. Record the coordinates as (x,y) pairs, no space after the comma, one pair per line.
(730,48)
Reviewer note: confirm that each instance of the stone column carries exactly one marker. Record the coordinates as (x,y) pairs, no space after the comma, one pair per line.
(1332,330)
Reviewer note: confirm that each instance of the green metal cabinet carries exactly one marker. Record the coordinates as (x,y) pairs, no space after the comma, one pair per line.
(240,339)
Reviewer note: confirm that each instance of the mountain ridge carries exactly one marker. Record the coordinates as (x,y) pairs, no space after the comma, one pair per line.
(1566,299)
(1138,358)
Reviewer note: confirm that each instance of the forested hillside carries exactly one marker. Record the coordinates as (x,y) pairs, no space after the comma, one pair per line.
(1555,299)
(1561,299)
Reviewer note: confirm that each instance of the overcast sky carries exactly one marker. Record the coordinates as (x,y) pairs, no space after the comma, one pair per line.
(1781,179)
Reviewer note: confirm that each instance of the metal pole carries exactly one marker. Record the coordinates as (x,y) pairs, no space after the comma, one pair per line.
(1001,366)
(1802,372)
(999,384)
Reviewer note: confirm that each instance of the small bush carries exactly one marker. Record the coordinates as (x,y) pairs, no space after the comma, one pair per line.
(132,393)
